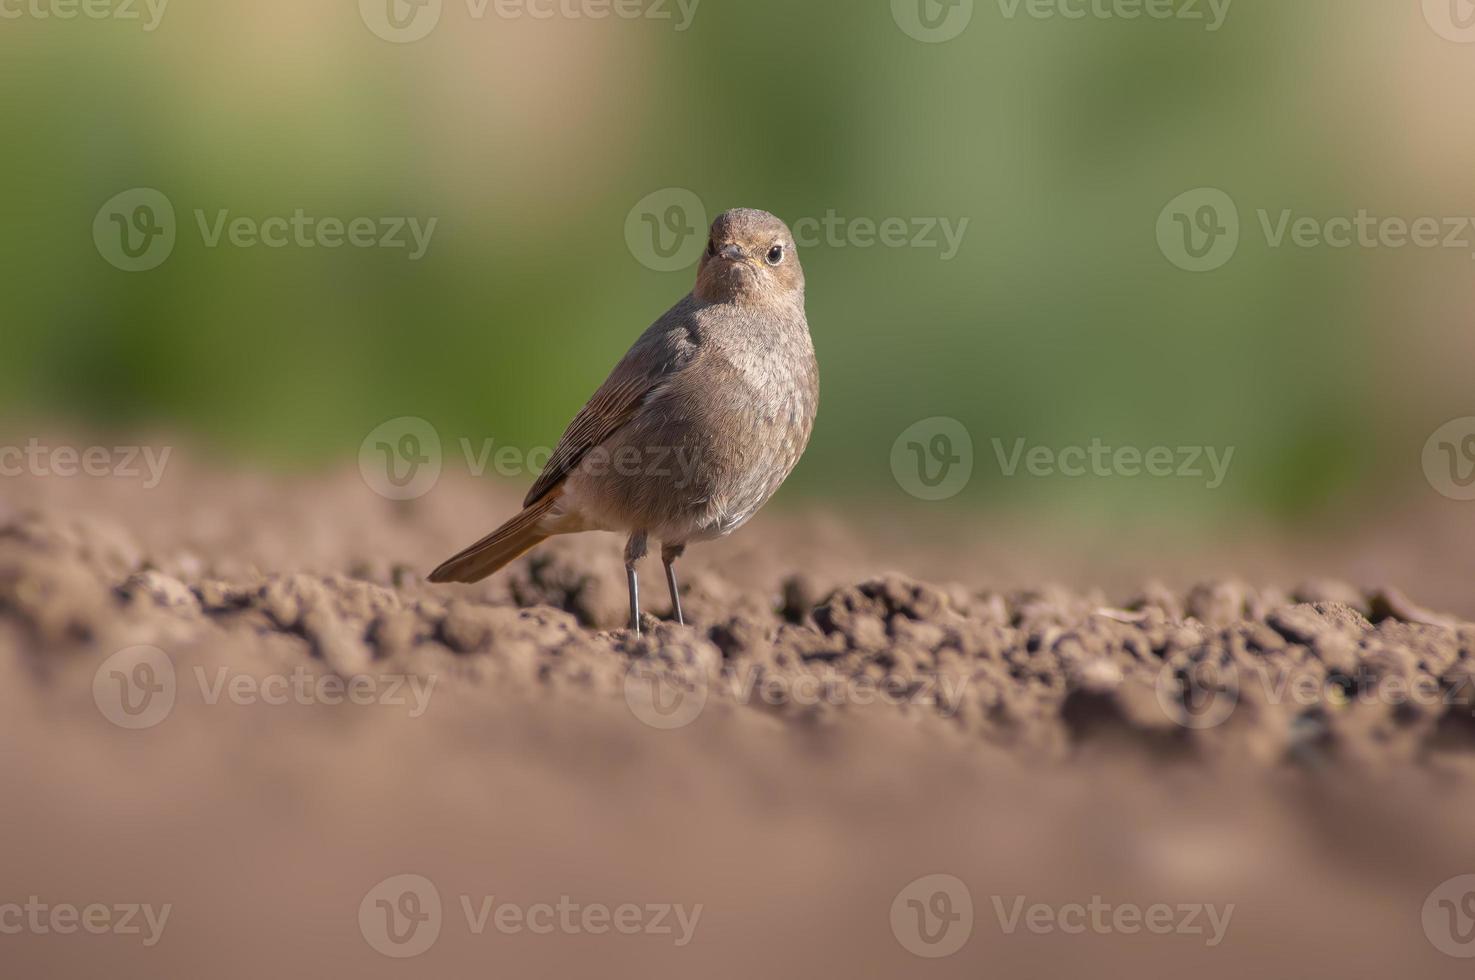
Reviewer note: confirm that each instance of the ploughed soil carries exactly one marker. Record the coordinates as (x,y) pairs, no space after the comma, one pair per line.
(851,708)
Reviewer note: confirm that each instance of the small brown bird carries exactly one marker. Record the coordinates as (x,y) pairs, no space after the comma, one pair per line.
(696,427)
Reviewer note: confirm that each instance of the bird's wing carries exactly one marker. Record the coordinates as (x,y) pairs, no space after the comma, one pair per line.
(663,351)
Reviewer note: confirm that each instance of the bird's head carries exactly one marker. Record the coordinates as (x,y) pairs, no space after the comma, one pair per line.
(750,258)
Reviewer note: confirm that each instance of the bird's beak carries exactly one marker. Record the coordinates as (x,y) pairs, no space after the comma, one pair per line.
(732,253)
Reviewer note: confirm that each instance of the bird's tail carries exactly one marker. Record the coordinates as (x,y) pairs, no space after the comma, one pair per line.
(504,545)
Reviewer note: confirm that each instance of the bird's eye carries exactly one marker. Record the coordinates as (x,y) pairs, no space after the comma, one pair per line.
(775,255)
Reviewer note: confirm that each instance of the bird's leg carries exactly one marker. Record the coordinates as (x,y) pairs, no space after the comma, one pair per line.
(634,551)
(669,554)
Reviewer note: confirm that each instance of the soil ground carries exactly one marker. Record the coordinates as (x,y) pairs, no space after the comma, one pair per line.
(850,710)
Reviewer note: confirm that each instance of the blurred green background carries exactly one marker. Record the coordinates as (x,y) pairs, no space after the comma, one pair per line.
(1060,320)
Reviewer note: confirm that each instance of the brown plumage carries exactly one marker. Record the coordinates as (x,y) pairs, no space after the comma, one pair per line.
(504,545)
(697,426)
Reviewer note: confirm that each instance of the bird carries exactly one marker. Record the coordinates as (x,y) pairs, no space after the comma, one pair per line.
(697,426)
